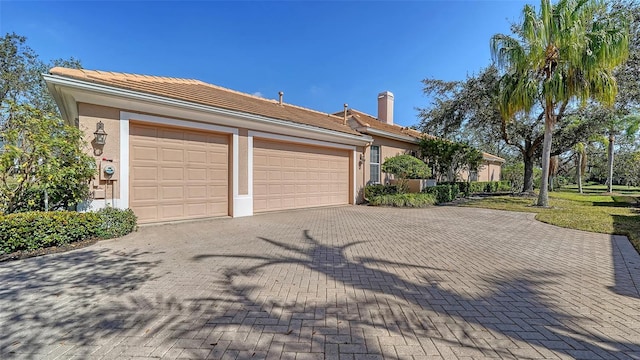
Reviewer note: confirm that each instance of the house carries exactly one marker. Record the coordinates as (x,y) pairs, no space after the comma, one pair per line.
(175,149)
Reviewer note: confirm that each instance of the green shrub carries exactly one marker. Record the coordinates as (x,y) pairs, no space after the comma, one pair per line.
(406,167)
(404,200)
(33,230)
(115,222)
(371,191)
(443,193)
(463,187)
(489,186)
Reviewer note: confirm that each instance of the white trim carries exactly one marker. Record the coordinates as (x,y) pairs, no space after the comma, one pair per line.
(124,160)
(236,162)
(68,90)
(379,163)
(355,176)
(294,139)
(126,116)
(250,166)
(175,122)
(243,204)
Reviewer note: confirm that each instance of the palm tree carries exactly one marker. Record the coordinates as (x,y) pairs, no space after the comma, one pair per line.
(628,126)
(564,52)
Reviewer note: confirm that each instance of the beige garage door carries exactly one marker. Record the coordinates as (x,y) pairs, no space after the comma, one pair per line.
(177,174)
(290,176)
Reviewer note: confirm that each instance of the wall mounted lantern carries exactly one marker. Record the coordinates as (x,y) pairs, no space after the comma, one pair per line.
(100,134)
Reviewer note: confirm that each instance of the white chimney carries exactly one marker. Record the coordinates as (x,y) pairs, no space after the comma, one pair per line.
(385,107)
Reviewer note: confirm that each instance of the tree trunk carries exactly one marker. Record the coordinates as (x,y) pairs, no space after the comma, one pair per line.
(612,139)
(543,197)
(528,173)
(579,172)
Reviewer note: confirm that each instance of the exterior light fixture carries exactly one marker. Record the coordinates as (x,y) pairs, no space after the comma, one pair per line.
(100,134)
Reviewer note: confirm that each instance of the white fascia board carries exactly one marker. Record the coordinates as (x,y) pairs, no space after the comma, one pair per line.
(66,104)
(91,93)
(305,141)
(405,138)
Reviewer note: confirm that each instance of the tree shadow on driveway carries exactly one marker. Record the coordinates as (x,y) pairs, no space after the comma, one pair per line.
(52,300)
(515,317)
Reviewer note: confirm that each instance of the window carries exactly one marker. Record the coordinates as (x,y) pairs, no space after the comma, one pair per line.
(374,165)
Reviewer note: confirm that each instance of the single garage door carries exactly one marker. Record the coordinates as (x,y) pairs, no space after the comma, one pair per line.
(290,176)
(177,174)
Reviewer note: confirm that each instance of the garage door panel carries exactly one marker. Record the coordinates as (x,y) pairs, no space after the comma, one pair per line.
(197,157)
(288,176)
(141,173)
(144,193)
(196,192)
(173,154)
(172,174)
(171,193)
(177,173)
(142,152)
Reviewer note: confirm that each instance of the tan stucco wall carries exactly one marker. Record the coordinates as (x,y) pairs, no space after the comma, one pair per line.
(388,148)
(491,171)
(88,117)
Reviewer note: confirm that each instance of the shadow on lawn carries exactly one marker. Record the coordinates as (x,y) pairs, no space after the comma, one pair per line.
(514,307)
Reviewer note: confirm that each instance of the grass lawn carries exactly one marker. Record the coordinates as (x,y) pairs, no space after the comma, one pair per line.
(609,214)
(598,189)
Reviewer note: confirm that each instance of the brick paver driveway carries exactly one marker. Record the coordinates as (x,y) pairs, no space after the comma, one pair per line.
(332,283)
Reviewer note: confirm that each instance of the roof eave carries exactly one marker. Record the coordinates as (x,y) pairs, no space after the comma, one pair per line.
(386,134)
(62,88)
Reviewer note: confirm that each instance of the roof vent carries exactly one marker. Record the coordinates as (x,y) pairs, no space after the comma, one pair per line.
(280,94)
(345,113)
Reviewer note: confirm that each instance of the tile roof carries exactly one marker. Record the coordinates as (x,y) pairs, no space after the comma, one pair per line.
(370,121)
(199,92)
(367,120)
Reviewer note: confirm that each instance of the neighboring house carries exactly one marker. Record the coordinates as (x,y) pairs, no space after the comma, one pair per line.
(181,149)
(390,140)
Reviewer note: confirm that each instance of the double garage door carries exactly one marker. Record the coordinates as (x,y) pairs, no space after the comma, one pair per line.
(178,174)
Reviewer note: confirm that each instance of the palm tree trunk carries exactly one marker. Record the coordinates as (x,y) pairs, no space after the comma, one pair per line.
(612,139)
(543,197)
(579,172)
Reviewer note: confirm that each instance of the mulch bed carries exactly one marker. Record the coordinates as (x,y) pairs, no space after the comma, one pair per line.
(45,251)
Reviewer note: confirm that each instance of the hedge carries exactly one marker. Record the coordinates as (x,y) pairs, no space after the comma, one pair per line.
(371,191)
(33,230)
(489,186)
(404,200)
(443,193)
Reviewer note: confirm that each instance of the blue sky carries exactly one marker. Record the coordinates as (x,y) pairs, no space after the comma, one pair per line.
(321,54)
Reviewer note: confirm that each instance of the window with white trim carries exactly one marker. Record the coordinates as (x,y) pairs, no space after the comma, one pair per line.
(374,165)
